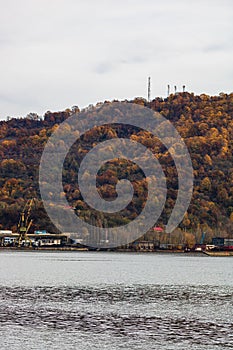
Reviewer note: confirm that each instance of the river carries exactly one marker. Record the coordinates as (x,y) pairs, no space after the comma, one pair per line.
(128,301)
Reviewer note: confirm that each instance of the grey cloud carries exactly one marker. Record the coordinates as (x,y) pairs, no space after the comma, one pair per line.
(224,47)
(103,68)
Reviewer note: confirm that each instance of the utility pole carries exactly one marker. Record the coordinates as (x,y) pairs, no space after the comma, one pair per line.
(175,89)
(168,90)
(149,89)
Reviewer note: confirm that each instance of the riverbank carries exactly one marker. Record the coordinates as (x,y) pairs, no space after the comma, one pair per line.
(83,249)
(33,249)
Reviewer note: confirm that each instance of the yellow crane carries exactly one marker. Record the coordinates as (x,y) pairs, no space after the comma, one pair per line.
(24,224)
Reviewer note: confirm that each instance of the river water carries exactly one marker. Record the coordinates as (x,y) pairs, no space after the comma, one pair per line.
(88,301)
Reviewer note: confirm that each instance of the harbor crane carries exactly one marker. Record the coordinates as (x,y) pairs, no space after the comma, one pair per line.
(24,224)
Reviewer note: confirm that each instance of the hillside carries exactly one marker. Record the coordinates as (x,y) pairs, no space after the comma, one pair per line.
(205,123)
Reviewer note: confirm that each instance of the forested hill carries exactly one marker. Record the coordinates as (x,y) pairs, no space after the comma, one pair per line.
(206,124)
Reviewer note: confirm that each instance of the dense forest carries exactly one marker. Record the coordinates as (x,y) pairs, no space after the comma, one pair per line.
(204,122)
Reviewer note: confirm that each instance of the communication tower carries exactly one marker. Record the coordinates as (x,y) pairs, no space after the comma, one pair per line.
(168,90)
(149,89)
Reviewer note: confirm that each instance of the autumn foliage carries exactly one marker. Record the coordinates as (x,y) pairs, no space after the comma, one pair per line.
(206,125)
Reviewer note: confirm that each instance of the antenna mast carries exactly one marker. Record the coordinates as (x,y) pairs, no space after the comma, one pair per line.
(149,89)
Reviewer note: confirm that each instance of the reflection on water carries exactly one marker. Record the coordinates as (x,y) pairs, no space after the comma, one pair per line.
(128,312)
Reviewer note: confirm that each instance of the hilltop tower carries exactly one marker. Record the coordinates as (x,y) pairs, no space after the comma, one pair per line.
(149,90)
(168,90)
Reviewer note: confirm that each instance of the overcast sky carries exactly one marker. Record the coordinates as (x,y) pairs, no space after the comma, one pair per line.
(58,53)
